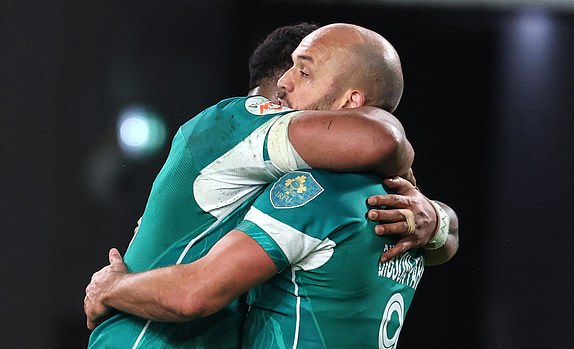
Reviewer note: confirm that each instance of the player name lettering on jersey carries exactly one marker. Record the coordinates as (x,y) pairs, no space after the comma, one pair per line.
(404,269)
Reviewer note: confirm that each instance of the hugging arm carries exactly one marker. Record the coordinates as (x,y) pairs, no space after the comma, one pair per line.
(180,292)
(352,140)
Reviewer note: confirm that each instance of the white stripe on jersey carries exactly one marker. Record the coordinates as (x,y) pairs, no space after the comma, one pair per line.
(144,330)
(302,251)
(297,309)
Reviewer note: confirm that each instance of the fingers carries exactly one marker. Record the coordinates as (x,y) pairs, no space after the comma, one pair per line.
(389,200)
(399,221)
(90,324)
(401,246)
(390,216)
(94,310)
(398,228)
(410,219)
(396,185)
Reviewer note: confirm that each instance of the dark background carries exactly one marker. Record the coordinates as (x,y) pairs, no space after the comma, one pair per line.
(488,106)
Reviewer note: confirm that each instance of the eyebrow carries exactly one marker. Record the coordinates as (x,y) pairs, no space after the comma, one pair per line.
(305,58)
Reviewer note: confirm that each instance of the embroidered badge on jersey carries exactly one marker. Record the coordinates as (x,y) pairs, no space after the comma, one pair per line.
(258,105)
(294,189)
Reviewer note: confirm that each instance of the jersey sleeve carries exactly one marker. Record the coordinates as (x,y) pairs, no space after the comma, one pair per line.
(296,218)
(237,165)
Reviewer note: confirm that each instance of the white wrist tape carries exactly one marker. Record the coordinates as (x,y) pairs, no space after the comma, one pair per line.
(443,226)
(282,154)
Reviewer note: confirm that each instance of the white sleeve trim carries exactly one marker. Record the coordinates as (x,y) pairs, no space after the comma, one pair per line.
(303,251)
(282,154)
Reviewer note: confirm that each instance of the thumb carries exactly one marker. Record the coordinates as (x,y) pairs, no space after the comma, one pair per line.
(396,184)
(115,256)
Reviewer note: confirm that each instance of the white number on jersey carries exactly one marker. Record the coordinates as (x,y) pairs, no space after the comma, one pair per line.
(395,305)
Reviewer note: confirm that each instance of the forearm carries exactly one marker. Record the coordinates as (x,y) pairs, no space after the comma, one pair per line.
(165,294)
(187,291)
(446,252)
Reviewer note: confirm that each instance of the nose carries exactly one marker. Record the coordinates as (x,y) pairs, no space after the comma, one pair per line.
(285,82)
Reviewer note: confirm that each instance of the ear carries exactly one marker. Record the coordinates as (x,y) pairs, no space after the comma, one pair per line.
(354,99)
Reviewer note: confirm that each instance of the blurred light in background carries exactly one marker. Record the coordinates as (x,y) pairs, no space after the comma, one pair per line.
(525,158)
(533,33)
(529,67)
(141,133)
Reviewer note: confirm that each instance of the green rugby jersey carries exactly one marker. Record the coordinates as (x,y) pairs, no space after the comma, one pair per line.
(331,291)
(215,168)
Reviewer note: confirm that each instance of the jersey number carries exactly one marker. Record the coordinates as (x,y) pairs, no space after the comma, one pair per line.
(395,305)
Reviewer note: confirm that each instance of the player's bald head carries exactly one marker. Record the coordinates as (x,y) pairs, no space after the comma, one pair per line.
(367,61)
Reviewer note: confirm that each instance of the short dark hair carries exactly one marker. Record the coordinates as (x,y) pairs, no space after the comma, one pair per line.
(274,53)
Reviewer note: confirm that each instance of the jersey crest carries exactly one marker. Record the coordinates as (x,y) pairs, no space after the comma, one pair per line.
(294,189)
(259,105)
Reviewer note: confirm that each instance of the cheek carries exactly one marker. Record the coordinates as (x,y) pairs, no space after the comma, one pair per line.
(302,89)
(307,87)
(305,97)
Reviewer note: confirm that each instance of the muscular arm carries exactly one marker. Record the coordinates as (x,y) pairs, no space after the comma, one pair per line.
(357,139)
(181,292)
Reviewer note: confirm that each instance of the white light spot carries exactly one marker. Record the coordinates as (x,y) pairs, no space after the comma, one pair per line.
(140,132)
(134,131)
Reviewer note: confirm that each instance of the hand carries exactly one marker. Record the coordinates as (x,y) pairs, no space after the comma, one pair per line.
(407,204)
(94,307)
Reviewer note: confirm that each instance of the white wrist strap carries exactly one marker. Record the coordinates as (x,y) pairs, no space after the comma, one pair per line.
(443,226)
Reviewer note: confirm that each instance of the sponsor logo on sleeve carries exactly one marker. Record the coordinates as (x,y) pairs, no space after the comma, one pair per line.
(294,189)
(259,105)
